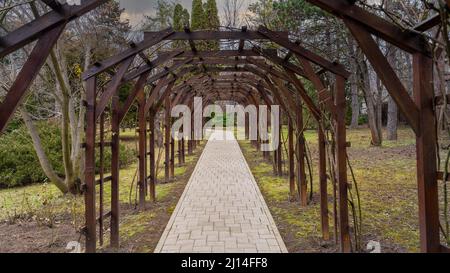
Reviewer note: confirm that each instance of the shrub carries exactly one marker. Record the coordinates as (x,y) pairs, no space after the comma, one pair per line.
(19,164)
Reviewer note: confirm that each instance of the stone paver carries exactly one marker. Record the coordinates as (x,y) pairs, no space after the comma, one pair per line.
(221,209)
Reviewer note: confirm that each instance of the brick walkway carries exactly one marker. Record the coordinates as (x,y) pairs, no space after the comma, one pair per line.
(221,209)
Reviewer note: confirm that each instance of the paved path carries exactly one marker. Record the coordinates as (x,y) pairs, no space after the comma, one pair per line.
(221,209)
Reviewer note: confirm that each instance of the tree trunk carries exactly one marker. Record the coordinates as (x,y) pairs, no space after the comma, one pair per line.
(392,117)
(62,85)
(372,104)
(355,105)
(43,159)
(354,85)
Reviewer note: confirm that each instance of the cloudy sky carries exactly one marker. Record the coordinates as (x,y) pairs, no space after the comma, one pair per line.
(136,9)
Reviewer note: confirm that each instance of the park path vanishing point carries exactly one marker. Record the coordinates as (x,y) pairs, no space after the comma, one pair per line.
(221,209)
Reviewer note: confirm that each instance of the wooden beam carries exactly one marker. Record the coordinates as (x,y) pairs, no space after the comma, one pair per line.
(113,86)
(89,171)
(225,53)
(323,93)
(27,74)
(315,111)
(242,41)
(215,35)
(191,41)
(402,38)
(115,172)
(37,28)
(341,165)
(169,70)
(386,74)
(54,5)
(273,57)
(163,58)
(304,53)
(137,92)
(148,42)
(428,23)
(324,215)
(426,154)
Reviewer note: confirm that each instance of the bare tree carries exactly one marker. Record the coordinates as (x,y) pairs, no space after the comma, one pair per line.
(232,13)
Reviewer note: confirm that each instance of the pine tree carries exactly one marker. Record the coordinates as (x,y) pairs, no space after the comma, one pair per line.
(212,15)
(185,18)
(212,21)
(178,18)
(198,15)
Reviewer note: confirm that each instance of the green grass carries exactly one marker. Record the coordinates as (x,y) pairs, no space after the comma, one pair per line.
(45,201)
(387,180)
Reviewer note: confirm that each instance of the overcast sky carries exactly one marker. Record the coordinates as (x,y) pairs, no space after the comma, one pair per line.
(136,9)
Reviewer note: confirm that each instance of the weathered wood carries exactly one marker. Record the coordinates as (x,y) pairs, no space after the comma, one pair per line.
(213,35)
(428,23)
(115,164)
(224,53)
(323,94)
(405,39)
(303,52)
(101,179)
(89,172)
(291,160)
(341,165)
(27,74)
(323,184)
(426,154)
(53,21)
(315,111)
(113,86)
(386,74)
(148,42)
(147,68)
(167,126)
(152,165)
(137,91)
(142,151)
(301,152)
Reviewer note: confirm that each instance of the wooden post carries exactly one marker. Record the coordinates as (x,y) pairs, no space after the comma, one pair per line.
(191,135)
(258,138)
(247,126)
(341,165)
(180,151)
(323,184)
(183,152)
(142,154)
(172,153)
(115,209)
(301,175)
(89,191)
(269,121)
(426,154)
(280,149)
(167,140)
(152,176)
(291,162)
(101,174)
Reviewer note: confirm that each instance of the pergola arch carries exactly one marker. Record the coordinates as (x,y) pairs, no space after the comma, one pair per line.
(279,78)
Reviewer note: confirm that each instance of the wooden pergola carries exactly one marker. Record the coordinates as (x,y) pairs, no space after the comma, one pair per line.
(255,76)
